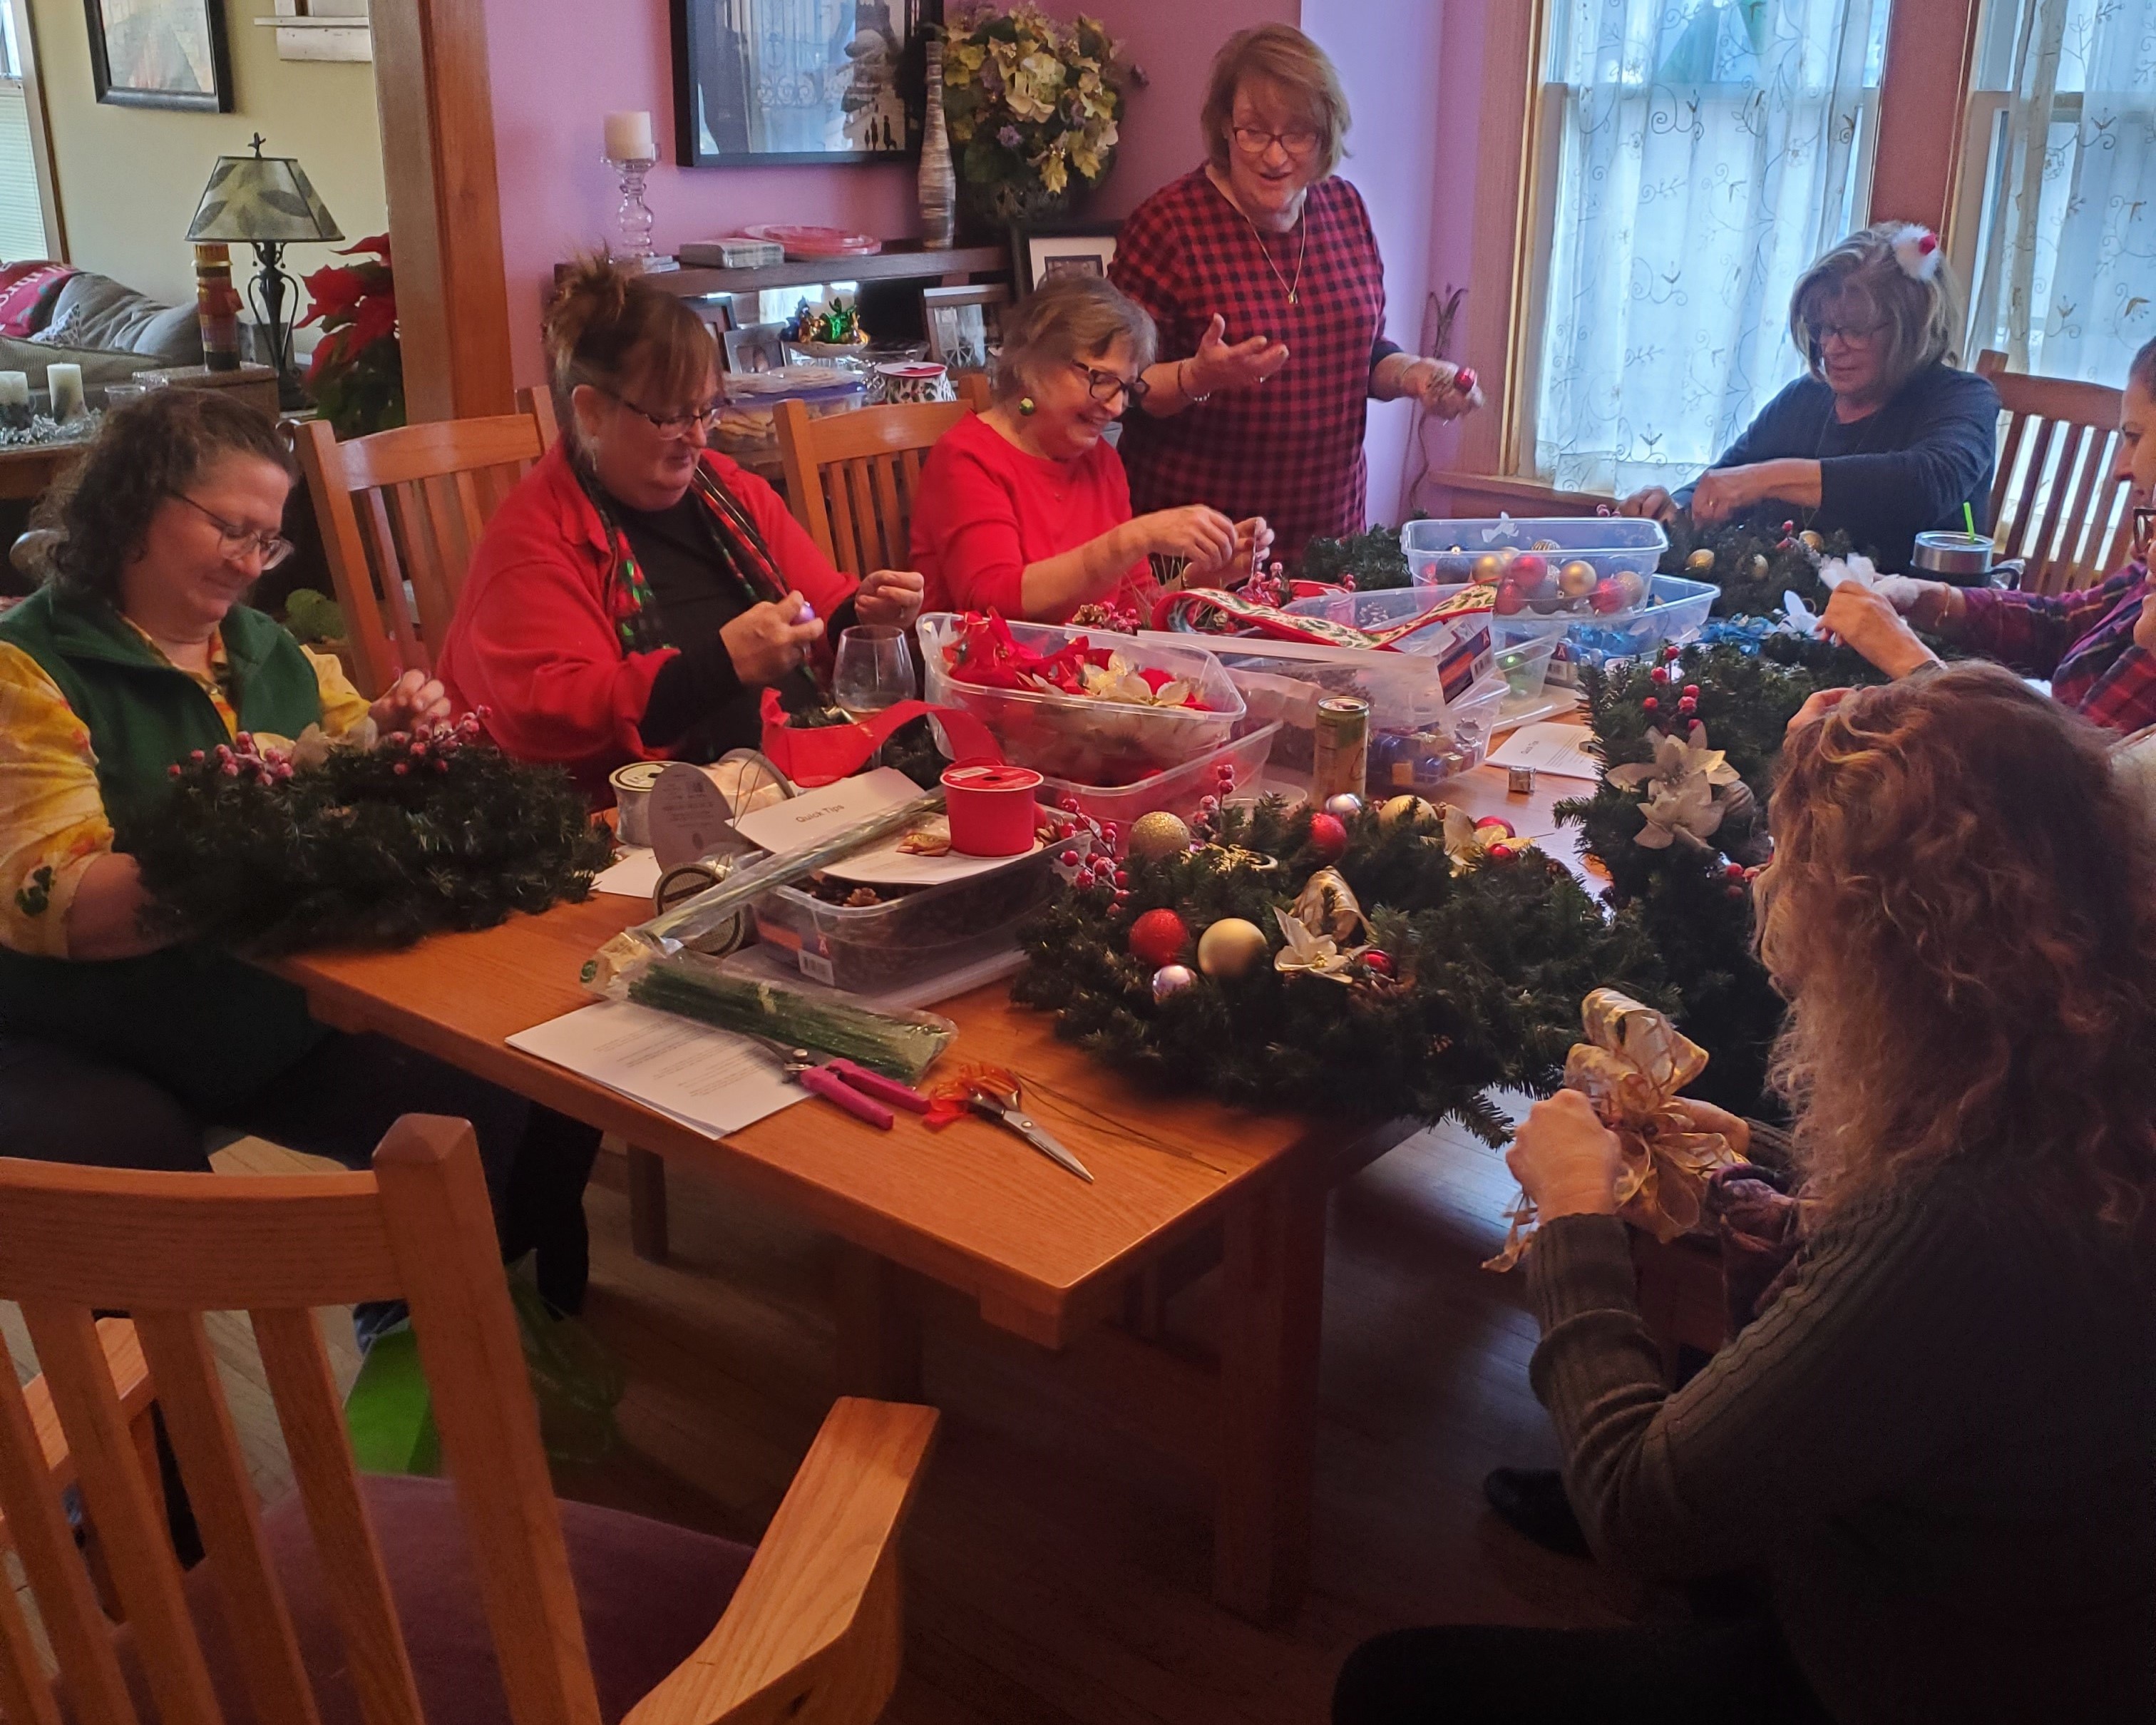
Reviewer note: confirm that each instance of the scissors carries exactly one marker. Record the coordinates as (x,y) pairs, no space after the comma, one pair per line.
(855,1089)
(996,1098)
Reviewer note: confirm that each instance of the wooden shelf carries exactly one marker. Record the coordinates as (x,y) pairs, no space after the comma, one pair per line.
(902,260)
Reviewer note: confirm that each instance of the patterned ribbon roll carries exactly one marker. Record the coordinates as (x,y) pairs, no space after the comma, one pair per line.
(1631,1067)
(1212,610)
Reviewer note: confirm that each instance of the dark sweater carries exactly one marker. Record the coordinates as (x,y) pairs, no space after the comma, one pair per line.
(1938,1446)
(1903,470)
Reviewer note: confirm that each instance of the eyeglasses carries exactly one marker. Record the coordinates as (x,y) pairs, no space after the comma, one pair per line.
(1254,140)
(2144,531)
(1106,386)
(675,425)
(234,542)
(1855,335)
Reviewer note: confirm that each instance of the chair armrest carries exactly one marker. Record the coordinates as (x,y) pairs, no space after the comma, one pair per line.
(131,1377)
(811,1635)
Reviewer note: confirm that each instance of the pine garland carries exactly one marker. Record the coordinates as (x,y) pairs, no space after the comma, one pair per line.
(1753,569)
(1489,969)
(1368,563)
(264,854)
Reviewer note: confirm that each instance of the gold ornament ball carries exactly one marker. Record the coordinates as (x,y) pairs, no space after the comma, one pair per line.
(1412,811)
(1158,834)
(1545,544)
(1489,569)
(1230,947)
(1811,540)
(1576,579)
(1700,561)
(1760,566)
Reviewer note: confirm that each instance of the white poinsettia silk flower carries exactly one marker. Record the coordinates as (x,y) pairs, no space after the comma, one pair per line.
(1680,783)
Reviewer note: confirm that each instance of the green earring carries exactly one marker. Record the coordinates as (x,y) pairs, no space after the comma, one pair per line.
(1026,406)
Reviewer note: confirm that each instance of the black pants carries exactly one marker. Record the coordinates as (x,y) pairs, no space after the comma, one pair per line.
(1704,1673)
(59,1105)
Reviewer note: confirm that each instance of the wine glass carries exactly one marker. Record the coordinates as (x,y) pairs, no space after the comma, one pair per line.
(874,670)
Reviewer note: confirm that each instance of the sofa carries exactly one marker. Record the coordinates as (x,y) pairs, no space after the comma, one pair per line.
(49,313)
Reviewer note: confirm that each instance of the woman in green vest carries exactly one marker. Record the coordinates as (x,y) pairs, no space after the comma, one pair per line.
(118,1048)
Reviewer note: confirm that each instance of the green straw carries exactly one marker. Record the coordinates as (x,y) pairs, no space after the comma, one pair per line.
(1968,519)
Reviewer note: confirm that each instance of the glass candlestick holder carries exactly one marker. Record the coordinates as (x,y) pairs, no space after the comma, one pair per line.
(632,244)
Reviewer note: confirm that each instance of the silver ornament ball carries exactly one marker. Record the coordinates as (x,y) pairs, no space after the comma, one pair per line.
(1172,979)
(1344,807)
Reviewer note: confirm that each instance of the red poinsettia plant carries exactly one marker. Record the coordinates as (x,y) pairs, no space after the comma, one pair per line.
(357,374)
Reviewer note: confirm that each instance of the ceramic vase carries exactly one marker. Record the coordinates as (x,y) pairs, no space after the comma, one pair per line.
(939,179)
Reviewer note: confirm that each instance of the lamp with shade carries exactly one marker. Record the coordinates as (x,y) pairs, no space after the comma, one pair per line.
(266,201)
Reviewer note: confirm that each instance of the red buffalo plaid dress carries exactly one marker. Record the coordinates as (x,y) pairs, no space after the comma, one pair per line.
(1290,450)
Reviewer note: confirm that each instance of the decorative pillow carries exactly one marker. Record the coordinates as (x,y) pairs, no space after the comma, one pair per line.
(27,292)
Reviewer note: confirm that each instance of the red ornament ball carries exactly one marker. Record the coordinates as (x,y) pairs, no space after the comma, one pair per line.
(1651,704)
(1690,689)
(1377,962)
(1158,938)
(1328,837)
(1497,821)
(1659,674)
(1527,569)
(1501,852)
(1607,596)
(1510,599)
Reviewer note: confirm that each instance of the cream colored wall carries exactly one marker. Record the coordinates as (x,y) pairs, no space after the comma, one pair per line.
(129,177)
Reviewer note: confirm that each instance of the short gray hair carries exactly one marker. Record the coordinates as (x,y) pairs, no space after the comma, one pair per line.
(1920,315)
(1071,317)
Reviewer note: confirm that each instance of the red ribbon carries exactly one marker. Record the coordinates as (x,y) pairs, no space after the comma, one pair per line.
(825,754)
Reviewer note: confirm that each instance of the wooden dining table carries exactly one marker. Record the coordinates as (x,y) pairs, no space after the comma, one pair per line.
(1180,1181)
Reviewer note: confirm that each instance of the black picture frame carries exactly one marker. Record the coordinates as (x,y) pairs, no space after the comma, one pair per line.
(711,72)
(1038,249)
(189,32)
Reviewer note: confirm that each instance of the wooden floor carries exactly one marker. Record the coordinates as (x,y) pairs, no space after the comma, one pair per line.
(1057,1566)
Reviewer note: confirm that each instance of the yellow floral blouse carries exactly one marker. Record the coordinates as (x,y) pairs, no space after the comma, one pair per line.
(52,816)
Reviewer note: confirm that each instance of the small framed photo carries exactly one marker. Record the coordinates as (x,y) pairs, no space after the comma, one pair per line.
(755,347)
(964,324)
(160,53)
(1039,254)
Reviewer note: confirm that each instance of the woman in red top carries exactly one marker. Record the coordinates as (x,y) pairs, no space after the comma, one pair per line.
(1026,510)
(635,594)
(1261,268)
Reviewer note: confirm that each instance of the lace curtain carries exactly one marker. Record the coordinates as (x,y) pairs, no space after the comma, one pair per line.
(2067,271)
(1709,153)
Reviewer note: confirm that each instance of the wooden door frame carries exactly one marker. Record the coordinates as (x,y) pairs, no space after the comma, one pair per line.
(41,134)
(433,92)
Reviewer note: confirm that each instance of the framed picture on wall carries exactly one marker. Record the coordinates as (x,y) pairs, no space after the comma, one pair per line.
(1039,254)
(964,324)
(764,81)
(160,53)
(755,347)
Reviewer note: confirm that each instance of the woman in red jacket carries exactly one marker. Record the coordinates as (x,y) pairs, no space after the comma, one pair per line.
(635,594)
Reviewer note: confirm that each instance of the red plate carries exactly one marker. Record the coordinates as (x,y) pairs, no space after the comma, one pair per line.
(816,242)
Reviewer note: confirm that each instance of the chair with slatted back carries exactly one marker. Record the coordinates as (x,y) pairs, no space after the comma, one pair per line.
(851,477)
(475,1599)
(2054,502)
(400,511)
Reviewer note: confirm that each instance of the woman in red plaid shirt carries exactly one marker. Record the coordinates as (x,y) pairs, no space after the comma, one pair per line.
(1262,274)
(2097,646)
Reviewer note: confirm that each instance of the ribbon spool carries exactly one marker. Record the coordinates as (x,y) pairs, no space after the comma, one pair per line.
(680,884)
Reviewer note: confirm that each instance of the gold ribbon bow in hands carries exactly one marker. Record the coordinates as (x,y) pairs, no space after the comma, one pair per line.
(1631,1067)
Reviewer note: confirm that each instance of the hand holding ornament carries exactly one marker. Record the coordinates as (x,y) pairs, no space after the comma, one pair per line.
(769,641)
(1254,543)
(1447,391)
(1203,537)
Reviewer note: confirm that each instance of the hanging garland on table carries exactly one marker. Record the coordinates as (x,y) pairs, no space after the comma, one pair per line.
(1368,563)
(264,850)
(1753,568)
(1381,962)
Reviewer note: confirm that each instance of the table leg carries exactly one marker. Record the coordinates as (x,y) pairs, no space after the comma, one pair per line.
(1272,1301)
(647,1205)
(879,1328)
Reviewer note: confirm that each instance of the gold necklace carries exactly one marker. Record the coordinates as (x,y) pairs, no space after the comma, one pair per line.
(1302,221)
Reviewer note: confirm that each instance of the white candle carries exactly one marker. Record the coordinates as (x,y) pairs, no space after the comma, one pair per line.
(14,389)
(629,136)
(64,383)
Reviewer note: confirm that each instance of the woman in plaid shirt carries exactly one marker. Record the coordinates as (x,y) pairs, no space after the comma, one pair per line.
(2097,646)
(1260,269)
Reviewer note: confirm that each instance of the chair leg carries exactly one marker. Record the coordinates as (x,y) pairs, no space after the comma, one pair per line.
(647,1205)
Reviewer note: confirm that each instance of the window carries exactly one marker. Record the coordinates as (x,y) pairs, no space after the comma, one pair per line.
(2057,222)
(1694,157)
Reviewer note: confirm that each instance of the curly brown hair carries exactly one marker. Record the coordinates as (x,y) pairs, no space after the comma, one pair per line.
(1962,909)
(143,454)
(618,333)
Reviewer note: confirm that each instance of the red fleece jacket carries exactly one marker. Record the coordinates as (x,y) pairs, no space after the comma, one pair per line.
(533,640)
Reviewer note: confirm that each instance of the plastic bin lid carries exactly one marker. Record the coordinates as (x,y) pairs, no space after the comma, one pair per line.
(792,383)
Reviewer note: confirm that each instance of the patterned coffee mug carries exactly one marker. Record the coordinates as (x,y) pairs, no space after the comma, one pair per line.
(920,381)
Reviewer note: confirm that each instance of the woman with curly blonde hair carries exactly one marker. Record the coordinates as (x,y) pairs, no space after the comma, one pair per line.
(1938,1446)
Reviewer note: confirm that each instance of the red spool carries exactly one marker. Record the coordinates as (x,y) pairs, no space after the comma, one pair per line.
(991,808)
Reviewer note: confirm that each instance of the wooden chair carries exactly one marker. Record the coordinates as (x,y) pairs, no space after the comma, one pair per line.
(851,477)
(2054,500)
(400,512)
(312,1626)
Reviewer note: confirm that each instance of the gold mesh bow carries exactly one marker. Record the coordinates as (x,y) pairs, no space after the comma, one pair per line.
(1631,1067)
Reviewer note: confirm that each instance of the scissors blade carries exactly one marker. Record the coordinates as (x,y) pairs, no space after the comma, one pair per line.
(1023,1126)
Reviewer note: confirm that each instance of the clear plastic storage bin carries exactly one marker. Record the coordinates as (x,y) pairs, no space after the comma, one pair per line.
(1179,792)
(1075,737)
(872,949)
(748,424)
(1676,610)
(1442,553)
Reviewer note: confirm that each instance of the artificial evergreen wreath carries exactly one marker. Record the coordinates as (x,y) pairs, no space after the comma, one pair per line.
(266,851)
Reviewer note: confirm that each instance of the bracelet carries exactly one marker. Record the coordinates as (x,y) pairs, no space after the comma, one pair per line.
(1184,389)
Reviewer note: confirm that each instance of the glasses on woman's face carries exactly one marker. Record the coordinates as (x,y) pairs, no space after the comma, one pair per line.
(1850,335)
(2144,532)
(1106,386)
(676,426)
(1298,141)
(235,541)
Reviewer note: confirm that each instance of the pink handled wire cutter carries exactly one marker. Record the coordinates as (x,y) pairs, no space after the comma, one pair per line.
(860,1092)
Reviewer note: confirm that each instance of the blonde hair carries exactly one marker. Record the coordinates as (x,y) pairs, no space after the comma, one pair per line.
(619,334)
(1068,318)
(1920,317)
(1284,55)
(1962,909)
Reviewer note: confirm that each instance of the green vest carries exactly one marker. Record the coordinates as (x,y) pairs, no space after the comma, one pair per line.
(206,1025)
